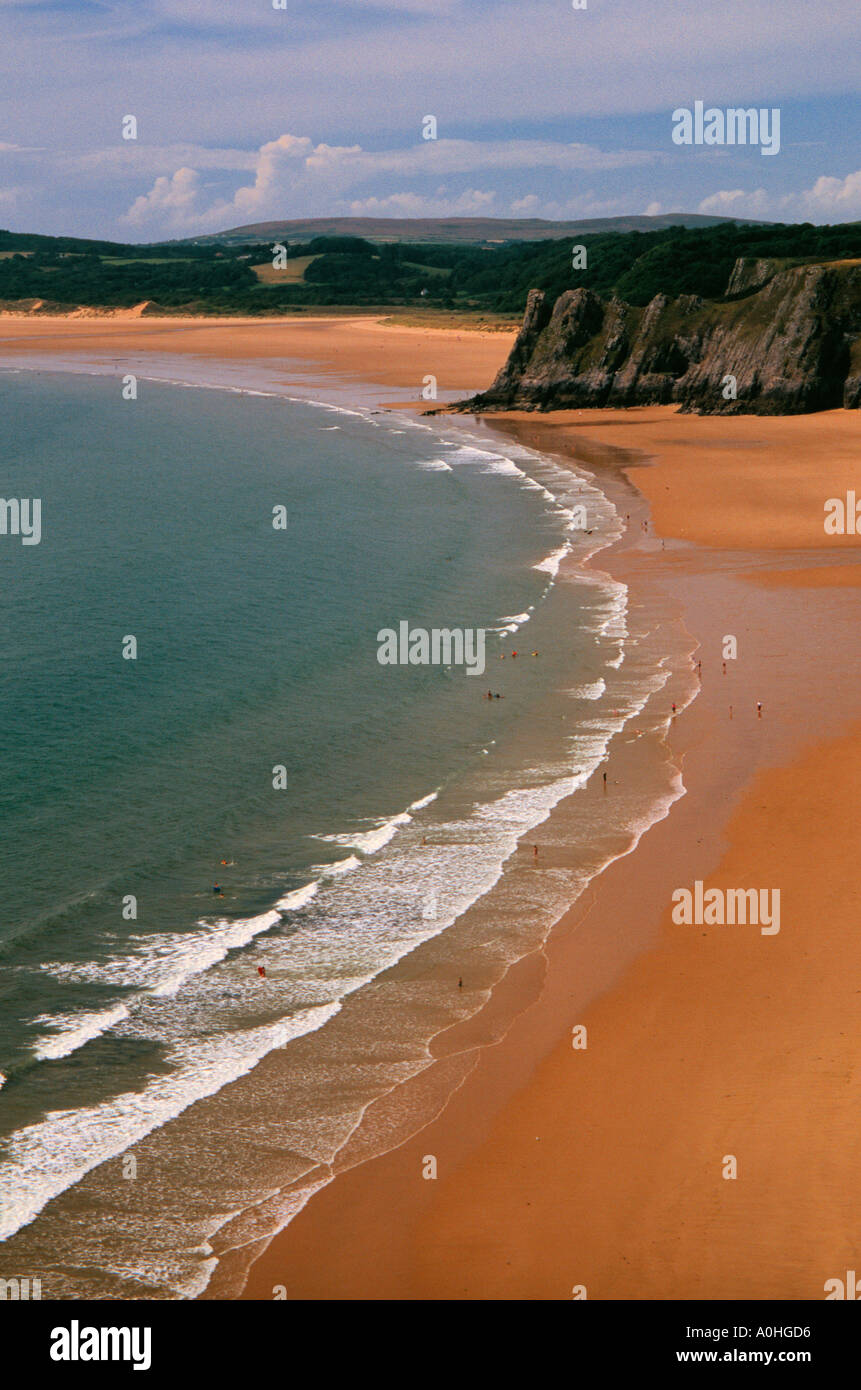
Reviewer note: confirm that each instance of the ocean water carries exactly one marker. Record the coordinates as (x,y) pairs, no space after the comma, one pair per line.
(162,1101)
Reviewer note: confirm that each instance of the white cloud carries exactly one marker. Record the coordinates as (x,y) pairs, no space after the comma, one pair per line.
(278,163)
(735,202)
(585,204)
(829,200)
(474,202)
(840,198)
(293,175)
(205,77)
(172,201)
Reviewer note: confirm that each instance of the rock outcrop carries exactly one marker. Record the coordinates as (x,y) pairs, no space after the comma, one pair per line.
(787,342)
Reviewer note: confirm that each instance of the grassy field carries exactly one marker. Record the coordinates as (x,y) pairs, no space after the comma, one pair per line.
(292,274)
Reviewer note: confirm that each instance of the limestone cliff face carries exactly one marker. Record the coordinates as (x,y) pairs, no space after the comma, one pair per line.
(790,339)
(748,275)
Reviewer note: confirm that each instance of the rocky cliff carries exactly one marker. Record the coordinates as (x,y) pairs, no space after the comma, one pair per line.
(783,341)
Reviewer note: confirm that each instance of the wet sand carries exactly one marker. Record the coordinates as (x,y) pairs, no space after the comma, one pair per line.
(602,1169)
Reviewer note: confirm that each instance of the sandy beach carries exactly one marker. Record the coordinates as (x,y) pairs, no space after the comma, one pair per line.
(358,348)
(599,1171)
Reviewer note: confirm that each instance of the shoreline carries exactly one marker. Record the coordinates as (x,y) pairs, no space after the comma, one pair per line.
(437,970)
(489,1226)
(355,349)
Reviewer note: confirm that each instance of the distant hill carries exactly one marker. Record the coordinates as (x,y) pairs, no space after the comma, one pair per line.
(465,231)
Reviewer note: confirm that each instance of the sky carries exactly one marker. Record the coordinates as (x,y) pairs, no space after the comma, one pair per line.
(248,113)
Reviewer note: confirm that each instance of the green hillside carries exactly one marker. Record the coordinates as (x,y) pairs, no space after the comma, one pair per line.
(350,272)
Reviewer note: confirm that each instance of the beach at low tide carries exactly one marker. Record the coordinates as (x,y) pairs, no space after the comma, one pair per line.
(601,1169)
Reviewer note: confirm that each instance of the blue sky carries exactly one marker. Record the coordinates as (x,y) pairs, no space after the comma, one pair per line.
(247,113)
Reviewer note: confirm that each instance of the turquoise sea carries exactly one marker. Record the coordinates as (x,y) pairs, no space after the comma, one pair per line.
(181,1066)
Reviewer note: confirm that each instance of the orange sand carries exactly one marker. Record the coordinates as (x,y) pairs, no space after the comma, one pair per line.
(741,481)
(361,347)
(603,1168)
(608,1166)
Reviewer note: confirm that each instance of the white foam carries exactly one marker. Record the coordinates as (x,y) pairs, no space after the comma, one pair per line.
(490,462)
(341,866)
(435,466)
(164,963)
(369,841)
(74,1030)
(291,902)
(513,622)
(550,564)
(45,1158)
(592,691)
